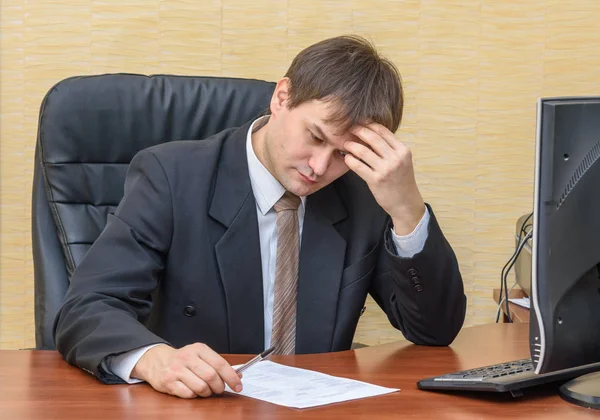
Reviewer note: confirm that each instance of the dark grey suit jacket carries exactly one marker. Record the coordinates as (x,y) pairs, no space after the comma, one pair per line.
(179,262)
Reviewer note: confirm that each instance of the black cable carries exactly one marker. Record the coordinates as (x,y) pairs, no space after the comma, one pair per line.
(502,282)
(503,275)
(521,231)
(519,249)
(514,256)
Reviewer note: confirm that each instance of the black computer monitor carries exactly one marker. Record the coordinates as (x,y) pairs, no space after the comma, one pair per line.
(565,300)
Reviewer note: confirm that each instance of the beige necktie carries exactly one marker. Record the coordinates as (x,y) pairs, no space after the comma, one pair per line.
(286,274)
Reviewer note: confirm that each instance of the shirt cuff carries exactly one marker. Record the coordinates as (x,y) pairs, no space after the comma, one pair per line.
(122,364)
(409,245)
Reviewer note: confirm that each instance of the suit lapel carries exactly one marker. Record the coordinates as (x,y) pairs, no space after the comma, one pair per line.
(238,250)
(321,264)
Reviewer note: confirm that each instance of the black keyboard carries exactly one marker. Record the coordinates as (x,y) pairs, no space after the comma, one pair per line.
(489,372)
(503,377)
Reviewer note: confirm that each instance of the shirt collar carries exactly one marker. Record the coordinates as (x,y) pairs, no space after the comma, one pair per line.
(267,190)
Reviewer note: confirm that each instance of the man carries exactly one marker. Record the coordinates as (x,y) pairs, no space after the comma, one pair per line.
(271,234)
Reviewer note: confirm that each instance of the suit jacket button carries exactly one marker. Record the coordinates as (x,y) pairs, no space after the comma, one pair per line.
(419,288)
(189,310)
(412,272)
(416,280)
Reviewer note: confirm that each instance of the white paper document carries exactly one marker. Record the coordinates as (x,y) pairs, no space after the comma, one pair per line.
(524,302)
(301,388)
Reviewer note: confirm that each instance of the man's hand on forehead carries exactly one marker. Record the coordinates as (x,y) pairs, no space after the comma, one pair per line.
(358,140)
(385,163)
(369,143)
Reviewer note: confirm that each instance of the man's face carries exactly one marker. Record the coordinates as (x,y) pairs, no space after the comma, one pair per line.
(301,150)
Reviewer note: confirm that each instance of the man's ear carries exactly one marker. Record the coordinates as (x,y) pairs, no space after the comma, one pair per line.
(280,96)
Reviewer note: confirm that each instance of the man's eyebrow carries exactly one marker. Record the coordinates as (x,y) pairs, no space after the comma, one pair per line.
(320,133)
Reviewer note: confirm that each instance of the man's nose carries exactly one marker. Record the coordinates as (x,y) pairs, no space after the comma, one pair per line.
(320,162)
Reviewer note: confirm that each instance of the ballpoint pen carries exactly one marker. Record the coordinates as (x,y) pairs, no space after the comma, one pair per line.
(255,359)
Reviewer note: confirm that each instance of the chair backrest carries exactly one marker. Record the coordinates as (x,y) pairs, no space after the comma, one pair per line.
(90,127)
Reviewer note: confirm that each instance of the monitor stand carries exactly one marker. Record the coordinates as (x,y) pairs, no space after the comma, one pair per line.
(584,391)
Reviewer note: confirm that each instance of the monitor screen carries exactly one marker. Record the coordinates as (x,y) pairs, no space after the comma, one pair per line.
(565,322)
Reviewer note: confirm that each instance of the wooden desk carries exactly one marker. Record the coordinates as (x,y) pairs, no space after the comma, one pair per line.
(40,385)
(518,314)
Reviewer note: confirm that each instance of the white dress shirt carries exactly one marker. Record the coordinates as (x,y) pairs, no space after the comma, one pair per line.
(267,191)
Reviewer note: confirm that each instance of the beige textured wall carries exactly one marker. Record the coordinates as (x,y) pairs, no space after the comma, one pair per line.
(472,72)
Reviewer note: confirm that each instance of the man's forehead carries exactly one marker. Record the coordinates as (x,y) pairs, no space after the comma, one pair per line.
(337,134)
(331,129)
(330,117)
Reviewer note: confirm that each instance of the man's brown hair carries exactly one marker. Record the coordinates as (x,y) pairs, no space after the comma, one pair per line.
(349,72)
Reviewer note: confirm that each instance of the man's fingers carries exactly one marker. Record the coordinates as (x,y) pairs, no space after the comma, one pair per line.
(363,153)
(373,138)
(360,168)
(386,135)
(198,384)
(209,375)
(221,367)
(179,389)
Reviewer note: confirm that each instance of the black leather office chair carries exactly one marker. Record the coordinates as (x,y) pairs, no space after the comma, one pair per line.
(90,128)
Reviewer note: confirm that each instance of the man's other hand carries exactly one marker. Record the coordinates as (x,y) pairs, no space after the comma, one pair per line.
(194,370)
